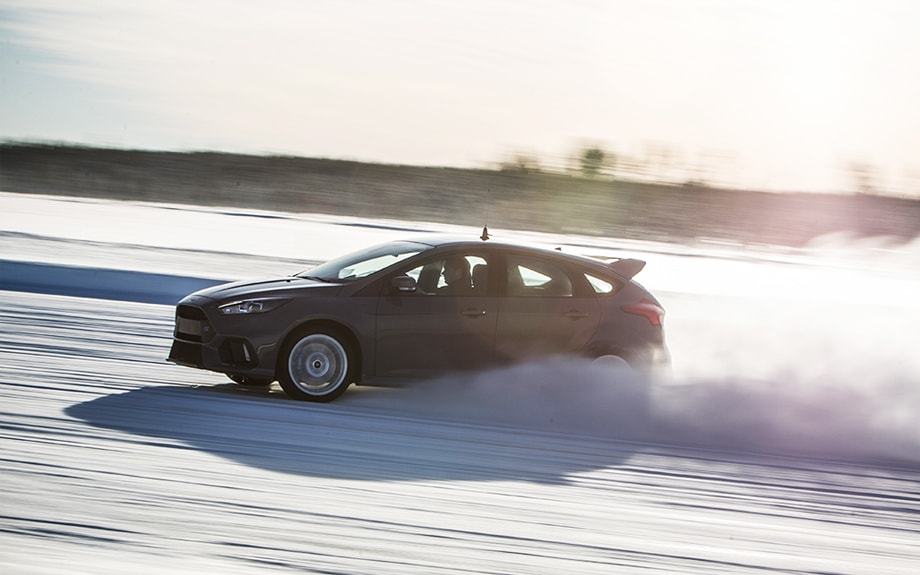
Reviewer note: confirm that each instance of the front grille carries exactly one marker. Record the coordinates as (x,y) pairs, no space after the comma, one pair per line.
(192,324)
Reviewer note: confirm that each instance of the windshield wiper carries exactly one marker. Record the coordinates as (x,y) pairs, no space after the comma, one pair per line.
(316,278)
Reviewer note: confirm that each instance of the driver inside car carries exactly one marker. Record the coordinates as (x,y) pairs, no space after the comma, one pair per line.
(457,276)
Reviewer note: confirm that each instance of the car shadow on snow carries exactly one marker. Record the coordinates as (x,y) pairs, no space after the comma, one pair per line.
(540,423)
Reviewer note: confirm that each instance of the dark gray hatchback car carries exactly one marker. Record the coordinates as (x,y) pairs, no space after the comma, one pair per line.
(419,307)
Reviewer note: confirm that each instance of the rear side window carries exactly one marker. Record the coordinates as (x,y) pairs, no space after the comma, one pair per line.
(529,277)
(599,285)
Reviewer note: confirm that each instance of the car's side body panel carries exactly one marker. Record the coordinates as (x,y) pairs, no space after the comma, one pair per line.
(536,327)
(419,334)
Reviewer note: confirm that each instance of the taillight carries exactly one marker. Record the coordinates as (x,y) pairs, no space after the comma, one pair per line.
(653,312)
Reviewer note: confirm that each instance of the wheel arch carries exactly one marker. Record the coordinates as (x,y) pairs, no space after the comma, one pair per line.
(598,349)
(331,327)
(640,356)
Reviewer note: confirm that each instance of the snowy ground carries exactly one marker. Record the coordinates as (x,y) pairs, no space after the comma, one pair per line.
(787,442)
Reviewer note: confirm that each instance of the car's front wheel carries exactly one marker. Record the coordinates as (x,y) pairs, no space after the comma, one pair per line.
(316,366)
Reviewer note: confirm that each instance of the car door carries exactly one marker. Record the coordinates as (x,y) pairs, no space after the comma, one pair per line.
(438,327)
(544,309)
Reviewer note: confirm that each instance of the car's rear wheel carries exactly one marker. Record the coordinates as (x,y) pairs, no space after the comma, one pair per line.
(247,380)
(611,361)
(316,366)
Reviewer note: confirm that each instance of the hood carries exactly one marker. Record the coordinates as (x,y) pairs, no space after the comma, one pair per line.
(265,288)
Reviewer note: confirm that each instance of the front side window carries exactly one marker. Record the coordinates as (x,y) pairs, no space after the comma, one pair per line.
(460,274)
(530,277)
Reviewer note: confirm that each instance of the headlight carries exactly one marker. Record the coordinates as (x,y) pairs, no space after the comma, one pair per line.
(251,306)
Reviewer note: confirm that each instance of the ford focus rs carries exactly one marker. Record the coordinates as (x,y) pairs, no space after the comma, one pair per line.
(419,307)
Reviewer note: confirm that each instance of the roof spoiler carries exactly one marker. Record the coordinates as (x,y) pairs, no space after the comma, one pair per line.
(627,267)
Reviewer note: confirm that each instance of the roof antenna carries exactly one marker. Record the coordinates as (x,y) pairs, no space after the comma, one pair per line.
(485,228)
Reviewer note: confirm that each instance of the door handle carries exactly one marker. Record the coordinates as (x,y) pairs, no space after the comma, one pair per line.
(473,312)
(575,314)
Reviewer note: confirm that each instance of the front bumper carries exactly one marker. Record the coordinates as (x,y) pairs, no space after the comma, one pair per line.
(198,343)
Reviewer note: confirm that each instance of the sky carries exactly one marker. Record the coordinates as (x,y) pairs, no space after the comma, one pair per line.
(780,95)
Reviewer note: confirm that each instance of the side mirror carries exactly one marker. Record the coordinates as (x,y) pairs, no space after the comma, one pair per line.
(403,284)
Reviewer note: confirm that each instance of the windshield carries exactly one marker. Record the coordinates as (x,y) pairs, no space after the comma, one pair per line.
(363,263)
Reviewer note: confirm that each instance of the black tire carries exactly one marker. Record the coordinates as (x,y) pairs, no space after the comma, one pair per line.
(250,381)
(316,366)
(611,361)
